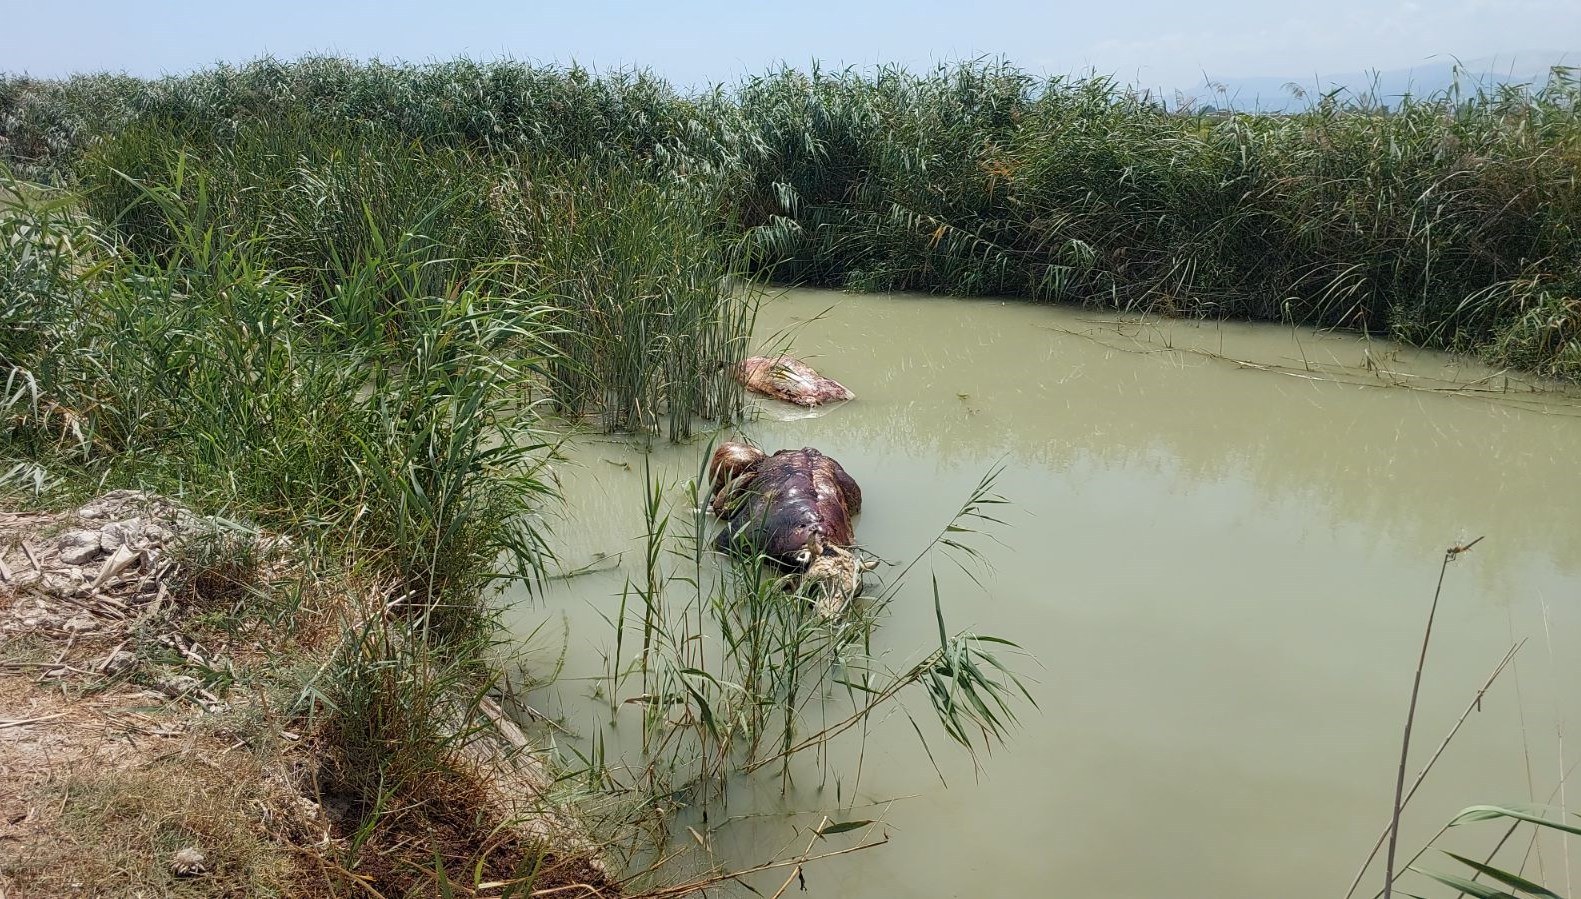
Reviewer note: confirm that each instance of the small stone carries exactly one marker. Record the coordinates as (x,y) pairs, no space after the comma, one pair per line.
(79,555)
(78,547)
(189,862)
(117,534)
(78,538)
(155,535)
(119,662)
(64,581)
(81,624)
(179,685)
(112,502)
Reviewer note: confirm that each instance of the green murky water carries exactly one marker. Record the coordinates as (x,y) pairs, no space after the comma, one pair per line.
(1221,549)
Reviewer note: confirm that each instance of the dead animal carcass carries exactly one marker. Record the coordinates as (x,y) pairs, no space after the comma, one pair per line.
(796,509)
(791,380)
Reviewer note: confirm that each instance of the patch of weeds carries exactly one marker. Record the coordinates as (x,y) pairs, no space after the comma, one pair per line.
(417,813)
(221,567)
(26,649)
(119,832)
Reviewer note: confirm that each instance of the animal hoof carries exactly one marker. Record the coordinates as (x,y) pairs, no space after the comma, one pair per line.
(189,862)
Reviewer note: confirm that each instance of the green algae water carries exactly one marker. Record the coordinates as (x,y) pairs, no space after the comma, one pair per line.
(1220,551)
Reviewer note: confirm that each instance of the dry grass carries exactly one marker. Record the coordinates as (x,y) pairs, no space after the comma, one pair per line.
(113,830)
(98,793)
(105,773)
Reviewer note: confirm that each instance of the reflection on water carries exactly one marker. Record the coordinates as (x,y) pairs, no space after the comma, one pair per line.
(1220,568)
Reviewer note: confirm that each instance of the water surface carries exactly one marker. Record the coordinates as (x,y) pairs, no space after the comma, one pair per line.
(1221,549)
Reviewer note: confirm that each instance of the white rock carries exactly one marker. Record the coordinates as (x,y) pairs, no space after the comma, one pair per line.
(78,538)
(113,502)
(179,685)
(155,534)
(119,662)
(117,534)
(78,547)
(79,555)
(81,624)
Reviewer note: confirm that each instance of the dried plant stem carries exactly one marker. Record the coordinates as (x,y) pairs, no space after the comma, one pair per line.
(1476,703)
(796,871)
(697,886)
(1559,731)
(1410,718)
(1445,829)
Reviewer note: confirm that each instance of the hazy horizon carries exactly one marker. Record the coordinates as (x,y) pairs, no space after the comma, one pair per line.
(700,42)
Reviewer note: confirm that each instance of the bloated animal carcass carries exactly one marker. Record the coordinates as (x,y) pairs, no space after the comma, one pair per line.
(791,380)
(795,508)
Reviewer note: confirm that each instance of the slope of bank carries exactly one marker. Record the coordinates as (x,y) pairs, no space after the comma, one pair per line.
(175,688)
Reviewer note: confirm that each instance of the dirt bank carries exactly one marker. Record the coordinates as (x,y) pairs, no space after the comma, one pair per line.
(162,732)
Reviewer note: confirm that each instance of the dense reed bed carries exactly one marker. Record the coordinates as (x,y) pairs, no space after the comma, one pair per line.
(608,252)
(1446,220)
(205,372)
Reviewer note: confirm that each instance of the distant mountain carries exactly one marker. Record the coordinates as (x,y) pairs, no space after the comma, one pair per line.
(1275,94)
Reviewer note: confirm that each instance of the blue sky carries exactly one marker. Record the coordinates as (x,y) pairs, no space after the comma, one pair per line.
(1150,42)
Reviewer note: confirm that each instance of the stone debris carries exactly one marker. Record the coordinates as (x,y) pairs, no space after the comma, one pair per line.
(109,562)
(179,685)
(117,663)
(186,687)
(78,547)
(81,623)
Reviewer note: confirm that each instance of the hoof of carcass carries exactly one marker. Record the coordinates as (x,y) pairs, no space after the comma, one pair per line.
(731,468)
(833,579)
(189,862)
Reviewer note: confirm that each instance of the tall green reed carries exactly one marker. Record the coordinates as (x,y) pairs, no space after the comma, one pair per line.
(650,315)
(201,370)
(413,469)
(1447,220)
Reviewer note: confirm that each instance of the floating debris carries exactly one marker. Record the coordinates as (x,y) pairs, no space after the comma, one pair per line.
(790,379)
